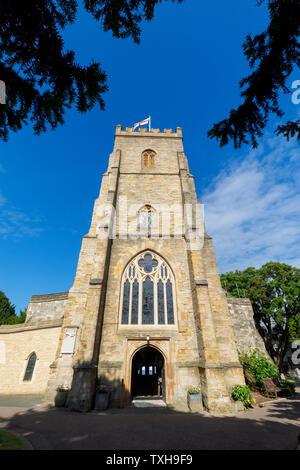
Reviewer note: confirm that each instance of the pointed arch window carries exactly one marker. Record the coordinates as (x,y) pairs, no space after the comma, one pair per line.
(30,367)
(148,159)
(147,296)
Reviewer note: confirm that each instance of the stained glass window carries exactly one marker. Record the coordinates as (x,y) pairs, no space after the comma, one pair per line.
(160,303)
(148,302)
(148,263)
(30,367)
(135,303)
(148,292)
(170,306)
(125,310)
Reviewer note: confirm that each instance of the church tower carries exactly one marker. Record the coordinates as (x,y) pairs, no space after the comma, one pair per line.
(147,314)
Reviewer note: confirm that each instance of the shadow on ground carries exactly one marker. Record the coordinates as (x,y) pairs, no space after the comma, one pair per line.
(273,427)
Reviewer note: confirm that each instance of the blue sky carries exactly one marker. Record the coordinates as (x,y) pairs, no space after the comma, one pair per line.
(184,73)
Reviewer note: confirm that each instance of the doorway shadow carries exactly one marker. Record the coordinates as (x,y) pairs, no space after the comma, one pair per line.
(148,373)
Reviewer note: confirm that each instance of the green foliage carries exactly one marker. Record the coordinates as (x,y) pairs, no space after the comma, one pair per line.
(21,317)
(194,391)
(10,442)
(237,284)
(273,55)
(42,78)
(257,367)
(8,313)
(242,393)
(274,291)
(289,130)
(63,388)
(16,319)
(262,368)
(7,310)
(288,384)
(123,17)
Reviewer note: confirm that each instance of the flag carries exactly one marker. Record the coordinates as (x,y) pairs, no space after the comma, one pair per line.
(141,123)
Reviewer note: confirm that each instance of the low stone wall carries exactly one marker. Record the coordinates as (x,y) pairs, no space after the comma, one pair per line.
(17,343)
(46,307)
(245,332)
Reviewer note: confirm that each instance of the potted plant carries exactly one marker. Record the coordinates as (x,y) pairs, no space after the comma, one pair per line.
(194,398)
(61,395)
(102,398)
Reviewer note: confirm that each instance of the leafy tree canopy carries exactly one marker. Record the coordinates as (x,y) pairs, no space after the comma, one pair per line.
(8,312)
(274,290)
(42,78)
(272,56)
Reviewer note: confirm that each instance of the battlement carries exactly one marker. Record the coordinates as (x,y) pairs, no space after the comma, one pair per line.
(143,132)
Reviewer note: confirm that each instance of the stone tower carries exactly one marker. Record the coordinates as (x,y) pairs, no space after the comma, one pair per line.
(146,314)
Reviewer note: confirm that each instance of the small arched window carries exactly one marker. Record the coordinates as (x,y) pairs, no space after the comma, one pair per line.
(146,217)
(148,159)
(147,292)
(30,367)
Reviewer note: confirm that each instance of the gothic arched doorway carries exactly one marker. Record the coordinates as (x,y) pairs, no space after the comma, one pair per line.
(148,373)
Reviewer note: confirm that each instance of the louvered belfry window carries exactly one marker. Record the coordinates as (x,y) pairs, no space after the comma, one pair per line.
(148,159)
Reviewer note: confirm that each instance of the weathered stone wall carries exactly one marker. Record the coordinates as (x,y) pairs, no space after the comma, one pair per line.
(220,369)
(196,342)
(200,347)
(182,350)
(246,334)
(158,186)
(17,342)
(46,307)
(79,332)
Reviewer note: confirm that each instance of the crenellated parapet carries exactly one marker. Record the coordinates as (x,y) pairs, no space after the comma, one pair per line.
(143,131)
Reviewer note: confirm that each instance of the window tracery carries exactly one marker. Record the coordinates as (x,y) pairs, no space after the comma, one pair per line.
(147,296)
(30,367)
(148,158)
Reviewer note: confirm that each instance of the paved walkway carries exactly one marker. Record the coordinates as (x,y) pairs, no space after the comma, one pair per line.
(275,426)
(21,401)
(148,403)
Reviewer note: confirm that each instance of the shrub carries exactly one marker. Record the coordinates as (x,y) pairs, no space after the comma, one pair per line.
(288,385)
(63,388)
(257,367)
(194,391)
(242,393)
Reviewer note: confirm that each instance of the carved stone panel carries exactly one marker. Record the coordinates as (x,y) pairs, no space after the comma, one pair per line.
(68,342)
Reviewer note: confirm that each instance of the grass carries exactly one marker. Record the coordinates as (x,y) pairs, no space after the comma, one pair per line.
(10,442)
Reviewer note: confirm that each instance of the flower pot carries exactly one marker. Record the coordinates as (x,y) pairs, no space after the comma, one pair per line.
(61,398)
(101,400)
(195,402)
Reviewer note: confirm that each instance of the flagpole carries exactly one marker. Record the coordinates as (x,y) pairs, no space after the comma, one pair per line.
(149,123)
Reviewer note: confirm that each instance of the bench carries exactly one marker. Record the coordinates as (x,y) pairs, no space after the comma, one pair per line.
(270,387)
